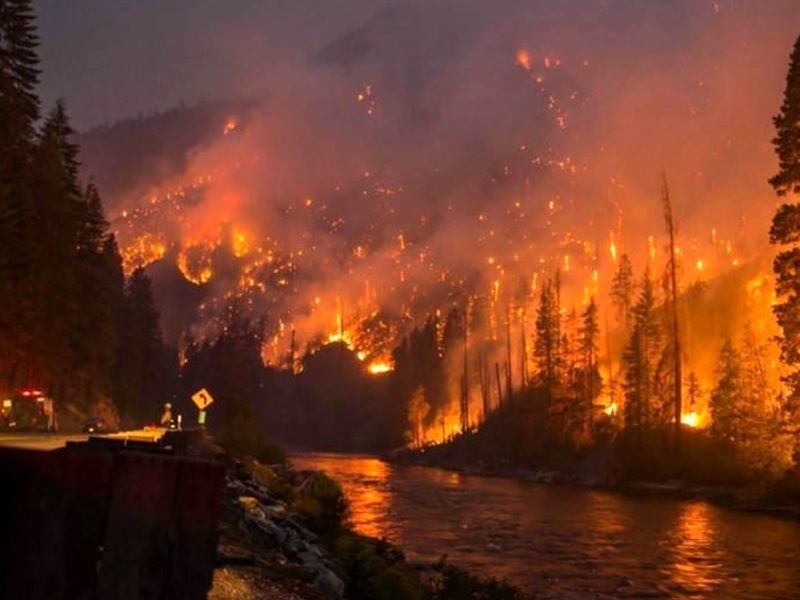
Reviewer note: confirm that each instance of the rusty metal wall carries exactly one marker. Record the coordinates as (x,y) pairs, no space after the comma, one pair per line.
(101,522)
(32,525)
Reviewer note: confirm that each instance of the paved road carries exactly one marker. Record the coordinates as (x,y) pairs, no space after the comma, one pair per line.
(43,441)
(38,441)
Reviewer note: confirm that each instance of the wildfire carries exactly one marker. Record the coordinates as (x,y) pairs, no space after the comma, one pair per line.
(144,250)
(374,262)
(239,245)
(691,419)
(194,262)
(379,367)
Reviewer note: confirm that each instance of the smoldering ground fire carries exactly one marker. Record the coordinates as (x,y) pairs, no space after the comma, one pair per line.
(400,172)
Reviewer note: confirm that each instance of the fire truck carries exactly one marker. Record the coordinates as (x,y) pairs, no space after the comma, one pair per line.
(28,410)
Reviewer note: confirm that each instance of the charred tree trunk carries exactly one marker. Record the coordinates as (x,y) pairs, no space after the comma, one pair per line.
(524,354)
(509,378)
(673,279)
(465,389)
(499,386)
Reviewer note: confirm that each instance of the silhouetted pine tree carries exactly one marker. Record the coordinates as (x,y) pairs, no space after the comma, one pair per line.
(663,399)
(622,289)
(547,343)
(591,381)
(787,124)
(726,395)
(100,286)
(19,111)
(743,409)
(785,231)
(52,277)
(639,358)
(139,386)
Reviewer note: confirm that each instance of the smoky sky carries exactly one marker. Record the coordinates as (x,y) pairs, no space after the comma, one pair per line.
(113,59)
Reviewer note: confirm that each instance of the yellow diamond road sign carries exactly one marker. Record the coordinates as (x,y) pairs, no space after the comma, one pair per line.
(202,399)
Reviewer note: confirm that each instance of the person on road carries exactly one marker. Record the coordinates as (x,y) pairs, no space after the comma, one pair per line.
(166,417)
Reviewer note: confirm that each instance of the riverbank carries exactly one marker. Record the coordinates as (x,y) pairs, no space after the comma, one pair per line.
(596,470)
(285,536)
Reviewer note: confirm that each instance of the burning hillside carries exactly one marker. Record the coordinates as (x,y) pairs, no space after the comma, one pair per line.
(405,170)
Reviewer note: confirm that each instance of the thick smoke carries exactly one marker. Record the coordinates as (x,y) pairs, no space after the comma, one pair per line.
(444,149)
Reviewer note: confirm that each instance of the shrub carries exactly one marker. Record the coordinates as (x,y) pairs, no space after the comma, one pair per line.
(376,570)
(239,431)
(271,454)
(323,505)
(456,584)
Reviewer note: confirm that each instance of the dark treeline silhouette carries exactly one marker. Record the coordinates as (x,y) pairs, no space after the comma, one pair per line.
(133,154)
(69,324)
(328,401)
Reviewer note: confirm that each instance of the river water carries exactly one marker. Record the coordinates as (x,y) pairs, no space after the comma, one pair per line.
(565,542)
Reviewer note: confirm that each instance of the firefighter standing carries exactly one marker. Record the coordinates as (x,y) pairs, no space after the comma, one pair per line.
(166,417)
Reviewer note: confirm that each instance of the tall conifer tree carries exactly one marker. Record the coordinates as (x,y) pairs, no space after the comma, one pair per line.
(622,289)
(785,232)
(641,356)
(19,111)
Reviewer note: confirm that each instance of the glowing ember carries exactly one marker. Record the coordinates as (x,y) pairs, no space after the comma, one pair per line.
(524,59)
(230,126)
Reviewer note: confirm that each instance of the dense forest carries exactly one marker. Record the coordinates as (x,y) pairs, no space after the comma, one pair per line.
(70,324)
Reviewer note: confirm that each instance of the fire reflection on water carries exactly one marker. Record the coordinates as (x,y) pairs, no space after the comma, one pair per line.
(365,482)
(697,564)
(562,541)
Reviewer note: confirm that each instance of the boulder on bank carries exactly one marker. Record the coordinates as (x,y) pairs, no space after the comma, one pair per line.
(256,520)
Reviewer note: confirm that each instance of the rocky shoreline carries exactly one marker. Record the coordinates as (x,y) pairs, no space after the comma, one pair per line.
(263,542)
(272,546)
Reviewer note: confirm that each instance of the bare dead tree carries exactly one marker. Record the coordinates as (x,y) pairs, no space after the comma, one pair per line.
(673,306)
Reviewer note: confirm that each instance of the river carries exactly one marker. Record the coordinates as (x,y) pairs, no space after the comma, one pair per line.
(567,542)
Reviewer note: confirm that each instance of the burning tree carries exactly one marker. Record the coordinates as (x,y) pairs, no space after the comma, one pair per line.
(785,232)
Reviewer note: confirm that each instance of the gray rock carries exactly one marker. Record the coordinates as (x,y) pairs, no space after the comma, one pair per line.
(329,583)
(269,534)
(295,545)
(310,560)
(252,507)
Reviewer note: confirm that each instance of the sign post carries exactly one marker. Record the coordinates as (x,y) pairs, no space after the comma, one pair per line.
(202,400)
